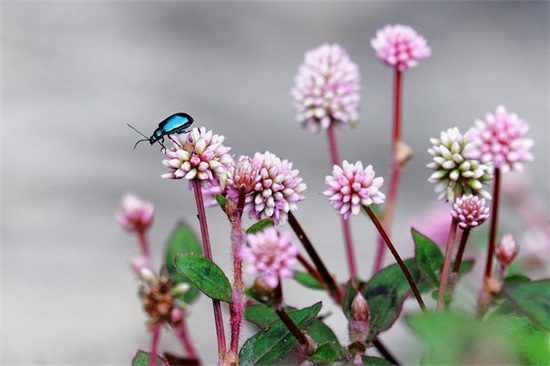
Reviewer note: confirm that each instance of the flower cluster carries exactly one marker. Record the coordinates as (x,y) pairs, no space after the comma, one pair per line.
(135,214)
(455,174)
(270,254)
(400,46)
(469,211)
(198,155)
(276,187)
(327,89)
(351,186)
(499,140)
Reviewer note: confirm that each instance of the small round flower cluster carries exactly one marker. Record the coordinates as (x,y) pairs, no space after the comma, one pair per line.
(270,254)
(135,214)
(499,140)
(455,174)
(400,46)
(273,188)
(469,211)
(327,89)
(351,186)
(198,155)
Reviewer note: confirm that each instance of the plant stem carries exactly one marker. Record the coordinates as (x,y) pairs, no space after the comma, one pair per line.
(345,222)
(310,269)
(144,245)
(460,253)
(400,262)
(218,319)
(384,351)
(155,338)
(292,327)
(446,267)
(494,222)
(181,331)
(387,215)
(334,289)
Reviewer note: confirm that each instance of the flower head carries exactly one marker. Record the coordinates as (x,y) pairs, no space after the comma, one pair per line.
(135,214)
(400,46)
(454,173)
(277,188)
(351,187)
(469,211)
(198,155)
(499,140)
(327,89)
(506,250)
(244,176)
(270,254)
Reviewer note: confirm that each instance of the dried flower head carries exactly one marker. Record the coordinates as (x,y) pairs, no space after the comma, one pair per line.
(400,46)
(469,211)
(454,173)
(506,250)
(499,140)
(270,255)
(351,186)
(135,214)
(327,89)
(158,302)
(198,155)
(277,188)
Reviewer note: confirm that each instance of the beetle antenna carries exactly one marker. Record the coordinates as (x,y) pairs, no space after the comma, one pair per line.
(135,129)
(139,142)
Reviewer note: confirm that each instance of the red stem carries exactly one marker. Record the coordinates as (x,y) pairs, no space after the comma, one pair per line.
(218,319)
(154,345)
(387,216)
(144,245)
(181,332)
(345,222)
(494,222)
(398,259)
(446,267)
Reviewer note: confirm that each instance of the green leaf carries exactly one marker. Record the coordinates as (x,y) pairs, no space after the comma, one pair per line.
(531,299)
(142,359)
(307,280)
(459,339)
(259,226)
(428,257)
(221,201)
(262,315)
(269,346)
(324,353)
(375,361)
(206,275)
(182,240)
(348,299)
(385,294)
(322,334)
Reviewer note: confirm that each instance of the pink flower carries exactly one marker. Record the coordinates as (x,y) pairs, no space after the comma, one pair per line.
(499,140)
(400,46)
(244,176)
(270,254)
(469,211)
(351,187)
(198,155)
(277,188)
(327,89)
(135,214)
(506,250)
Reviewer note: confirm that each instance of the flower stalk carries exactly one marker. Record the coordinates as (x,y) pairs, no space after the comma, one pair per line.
(446,267)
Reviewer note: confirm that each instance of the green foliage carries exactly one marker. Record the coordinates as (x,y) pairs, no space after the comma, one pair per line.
(307,280)
(385,294)
(531,299)
(206,275)
(259,226)
(349,295)
(428,257)
(272,344)
(456,338)
(375,361)
(142,359)
(182,240)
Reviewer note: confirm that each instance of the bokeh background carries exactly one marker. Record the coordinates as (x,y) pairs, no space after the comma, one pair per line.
(74,73)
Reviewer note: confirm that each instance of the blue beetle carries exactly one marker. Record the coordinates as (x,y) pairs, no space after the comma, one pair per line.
(176,123)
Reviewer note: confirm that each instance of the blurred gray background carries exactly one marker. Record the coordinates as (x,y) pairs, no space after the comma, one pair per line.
(74,73)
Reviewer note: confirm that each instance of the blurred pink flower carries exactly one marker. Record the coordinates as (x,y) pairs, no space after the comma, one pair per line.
(469,211)
(327,89)
(198,155)
(400,46)
(277,188)
(506,250)
(351,187)
(499,140)
(135,214)
(270,254)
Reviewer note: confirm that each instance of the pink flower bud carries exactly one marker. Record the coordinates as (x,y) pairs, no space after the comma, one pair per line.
(135,214)
(506,250)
